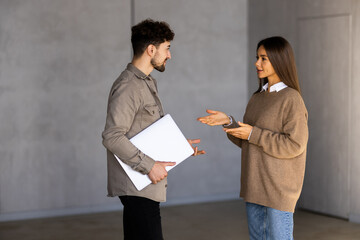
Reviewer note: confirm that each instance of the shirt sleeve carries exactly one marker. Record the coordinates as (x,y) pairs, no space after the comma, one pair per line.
(289,143)
(124,103)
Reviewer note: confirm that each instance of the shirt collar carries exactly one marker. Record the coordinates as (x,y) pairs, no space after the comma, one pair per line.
(137,71)
(276,87)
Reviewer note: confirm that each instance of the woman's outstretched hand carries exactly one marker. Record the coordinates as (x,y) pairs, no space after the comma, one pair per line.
(215,118)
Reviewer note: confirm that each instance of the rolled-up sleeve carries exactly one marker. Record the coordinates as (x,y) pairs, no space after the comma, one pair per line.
(124,103)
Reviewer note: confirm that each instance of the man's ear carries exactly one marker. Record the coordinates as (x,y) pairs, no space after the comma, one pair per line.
(150,50)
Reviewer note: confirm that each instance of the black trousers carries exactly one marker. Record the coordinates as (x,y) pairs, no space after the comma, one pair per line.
(141,218)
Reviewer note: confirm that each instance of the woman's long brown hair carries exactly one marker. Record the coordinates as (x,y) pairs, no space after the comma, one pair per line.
(281,56)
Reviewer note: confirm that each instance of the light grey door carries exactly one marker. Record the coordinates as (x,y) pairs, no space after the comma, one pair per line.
(324,47)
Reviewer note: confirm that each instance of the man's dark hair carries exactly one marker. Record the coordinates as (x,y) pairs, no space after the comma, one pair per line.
(149,32)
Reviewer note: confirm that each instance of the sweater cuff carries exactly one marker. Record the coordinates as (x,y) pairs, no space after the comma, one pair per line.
(255,135)
(233,123)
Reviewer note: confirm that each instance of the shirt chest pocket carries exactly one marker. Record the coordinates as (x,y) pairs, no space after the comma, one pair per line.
(149,114)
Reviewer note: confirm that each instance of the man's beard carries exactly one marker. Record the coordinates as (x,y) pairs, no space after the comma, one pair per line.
(160,68)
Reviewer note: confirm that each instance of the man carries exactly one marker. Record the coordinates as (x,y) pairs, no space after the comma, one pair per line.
(133,105)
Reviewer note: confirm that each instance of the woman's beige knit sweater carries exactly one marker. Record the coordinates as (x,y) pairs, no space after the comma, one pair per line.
(273,160)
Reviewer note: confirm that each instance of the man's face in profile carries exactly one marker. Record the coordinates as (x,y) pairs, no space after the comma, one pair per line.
(162,54)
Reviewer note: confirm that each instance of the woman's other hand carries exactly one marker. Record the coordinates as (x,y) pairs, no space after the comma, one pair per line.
(215,118)
(242,132)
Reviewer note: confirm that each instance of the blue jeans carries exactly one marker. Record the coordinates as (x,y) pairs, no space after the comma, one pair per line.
(266,223)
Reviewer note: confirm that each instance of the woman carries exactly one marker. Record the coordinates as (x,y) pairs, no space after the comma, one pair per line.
(273,139)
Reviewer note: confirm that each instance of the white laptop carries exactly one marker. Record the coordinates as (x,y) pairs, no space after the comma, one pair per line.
(162,141)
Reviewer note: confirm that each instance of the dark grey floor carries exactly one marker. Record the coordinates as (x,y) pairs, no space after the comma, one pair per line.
(221,221)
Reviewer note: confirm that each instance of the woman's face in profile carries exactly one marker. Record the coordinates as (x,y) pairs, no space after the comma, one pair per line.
(263,65)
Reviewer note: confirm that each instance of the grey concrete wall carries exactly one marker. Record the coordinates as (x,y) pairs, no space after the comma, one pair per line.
(323,34)
(58,60)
